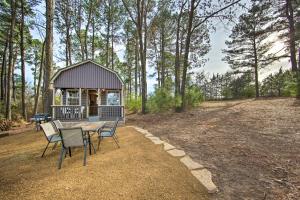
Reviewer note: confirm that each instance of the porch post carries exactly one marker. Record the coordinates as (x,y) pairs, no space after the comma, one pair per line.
(99,96)
(80,103)
(53,103)
(80,96)
(122,103)
(61,97)
(99,101)
(87,103)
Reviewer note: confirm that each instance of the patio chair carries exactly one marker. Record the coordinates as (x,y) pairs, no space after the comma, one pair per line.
(51,135)
(109,131)
(57,125)
(72,137)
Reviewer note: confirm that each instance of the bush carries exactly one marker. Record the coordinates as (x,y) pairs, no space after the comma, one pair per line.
(249,91)
(5,124)
(134,105)
(194,96)
(161,100)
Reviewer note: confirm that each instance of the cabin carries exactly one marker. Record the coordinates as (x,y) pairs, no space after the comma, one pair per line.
(87,90)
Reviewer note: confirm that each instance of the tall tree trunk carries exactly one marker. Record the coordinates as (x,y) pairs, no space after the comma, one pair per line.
(78,29)
(107,35)
(112,45)
(68,36)
(256,69)
(292,44)
(48,54)
(10,59)
(186,54)
(87,29)
(177,54)
(22,49)
(93,38)
(3,70)
(136,67)
(142,24)
(38,89)
(157,63)
(162,54)
(13,75)
(298,58)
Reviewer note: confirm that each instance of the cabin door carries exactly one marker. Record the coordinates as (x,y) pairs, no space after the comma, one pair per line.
(93,106)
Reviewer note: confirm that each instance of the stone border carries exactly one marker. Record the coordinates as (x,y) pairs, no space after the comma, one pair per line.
(203,175)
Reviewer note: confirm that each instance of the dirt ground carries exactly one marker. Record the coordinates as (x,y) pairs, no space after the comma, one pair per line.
(138,170)
(252,146)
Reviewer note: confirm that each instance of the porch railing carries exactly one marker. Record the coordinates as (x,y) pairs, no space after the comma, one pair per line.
(68,112)
(110,112)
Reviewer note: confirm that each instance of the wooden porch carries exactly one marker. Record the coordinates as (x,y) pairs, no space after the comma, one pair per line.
(80,104)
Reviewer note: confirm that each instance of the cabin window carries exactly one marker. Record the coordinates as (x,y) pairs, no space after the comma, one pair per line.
(72,97)
(113,98)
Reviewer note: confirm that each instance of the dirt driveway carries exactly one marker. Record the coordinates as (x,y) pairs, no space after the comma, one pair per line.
(252,147)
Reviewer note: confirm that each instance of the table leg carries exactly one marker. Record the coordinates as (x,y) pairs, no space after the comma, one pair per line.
(89,138)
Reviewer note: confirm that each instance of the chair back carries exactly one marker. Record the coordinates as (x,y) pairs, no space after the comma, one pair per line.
(115,126)
(48,130)
(71,137)
(57,125)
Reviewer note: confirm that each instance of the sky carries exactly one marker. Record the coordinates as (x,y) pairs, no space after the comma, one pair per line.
(214,64)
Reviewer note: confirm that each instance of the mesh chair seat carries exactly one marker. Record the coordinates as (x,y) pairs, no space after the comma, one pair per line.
(106,134)
(54,138)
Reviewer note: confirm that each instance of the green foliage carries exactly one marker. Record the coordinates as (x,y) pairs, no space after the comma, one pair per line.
(281,84)
(194,96)
(161,100)
(134,105)
(242,87)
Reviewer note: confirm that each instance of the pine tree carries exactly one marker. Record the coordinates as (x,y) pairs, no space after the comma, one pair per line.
(248,48)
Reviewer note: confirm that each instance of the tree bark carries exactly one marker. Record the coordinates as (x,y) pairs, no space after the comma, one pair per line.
(112,45)
(13,75)
(136,58)
(93,38)
(107,35)
(78,29)
(3,70)
(68,35)
(177,54)
(10,59)
(87,29)
(48,54)
(292,43)
(256,69)
(186,55)
(162,54)
(22,49)
(38,89)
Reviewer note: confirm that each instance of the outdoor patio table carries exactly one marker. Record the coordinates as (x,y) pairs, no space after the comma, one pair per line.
(88,128)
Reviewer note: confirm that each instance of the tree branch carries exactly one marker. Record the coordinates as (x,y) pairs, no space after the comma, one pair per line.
(130,14)
(213,14)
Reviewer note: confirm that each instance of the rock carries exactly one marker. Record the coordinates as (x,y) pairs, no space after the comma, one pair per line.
(205,178)
(149,135)
(176,153)
(190,164)
(155,140)
(168,147)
